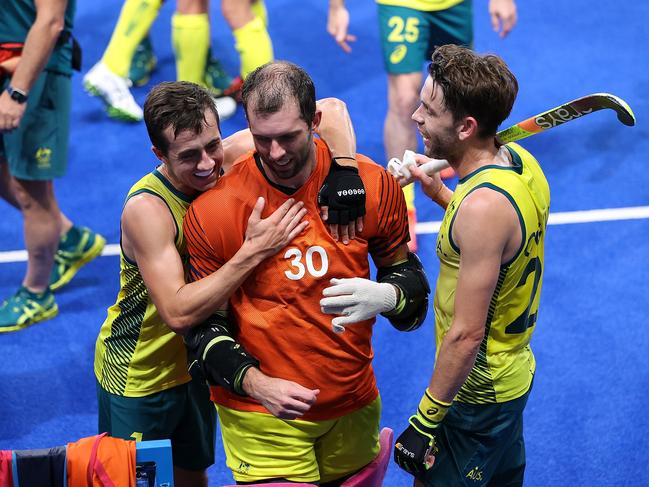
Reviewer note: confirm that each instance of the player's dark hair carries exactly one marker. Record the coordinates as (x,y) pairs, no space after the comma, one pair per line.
(480,86)
(268,87)
(180,105)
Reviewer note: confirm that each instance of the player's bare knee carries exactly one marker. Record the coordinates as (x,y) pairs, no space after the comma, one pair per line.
(192,7)
(236,12)
(34,195)
(403,104)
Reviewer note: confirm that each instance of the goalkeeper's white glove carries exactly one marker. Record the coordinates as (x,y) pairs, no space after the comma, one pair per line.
(357,299)
(401,169)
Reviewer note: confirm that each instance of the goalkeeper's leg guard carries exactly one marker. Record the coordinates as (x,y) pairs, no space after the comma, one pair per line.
(374,472)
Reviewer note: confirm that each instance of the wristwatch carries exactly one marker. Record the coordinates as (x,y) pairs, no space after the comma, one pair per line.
(19,96)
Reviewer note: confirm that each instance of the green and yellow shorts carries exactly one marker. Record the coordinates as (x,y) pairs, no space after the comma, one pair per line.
(409,36)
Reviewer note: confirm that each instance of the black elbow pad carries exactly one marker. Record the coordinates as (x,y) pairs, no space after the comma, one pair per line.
(410,278)
(215,356)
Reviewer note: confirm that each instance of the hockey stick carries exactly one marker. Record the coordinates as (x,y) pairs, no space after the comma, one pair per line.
(550,119)
(567,112)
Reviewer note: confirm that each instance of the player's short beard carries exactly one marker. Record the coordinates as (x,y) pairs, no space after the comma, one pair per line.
(300,160)
(442,146)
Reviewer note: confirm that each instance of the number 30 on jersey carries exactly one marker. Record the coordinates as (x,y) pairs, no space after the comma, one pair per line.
(301,263)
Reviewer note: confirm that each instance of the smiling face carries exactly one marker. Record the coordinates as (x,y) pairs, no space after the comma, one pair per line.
(436,124)
(193,160)
(284,142)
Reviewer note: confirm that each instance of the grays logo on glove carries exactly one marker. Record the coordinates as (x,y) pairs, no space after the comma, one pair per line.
(343,193)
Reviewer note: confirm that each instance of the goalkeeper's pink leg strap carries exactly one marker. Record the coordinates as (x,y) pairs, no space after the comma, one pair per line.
(372,475)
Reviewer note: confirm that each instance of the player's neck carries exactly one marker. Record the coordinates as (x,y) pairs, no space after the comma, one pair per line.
(478,154)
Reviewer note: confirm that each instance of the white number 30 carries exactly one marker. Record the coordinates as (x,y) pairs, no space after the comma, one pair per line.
(297,267)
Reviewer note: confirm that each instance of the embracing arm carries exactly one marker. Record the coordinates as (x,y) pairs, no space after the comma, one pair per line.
(148,233)
(337,131)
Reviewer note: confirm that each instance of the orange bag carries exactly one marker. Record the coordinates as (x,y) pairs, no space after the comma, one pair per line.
(101,461)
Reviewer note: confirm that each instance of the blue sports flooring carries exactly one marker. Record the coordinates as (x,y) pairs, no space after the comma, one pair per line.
(586,421)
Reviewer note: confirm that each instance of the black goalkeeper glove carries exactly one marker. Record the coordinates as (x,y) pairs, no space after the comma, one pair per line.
(343,193)
(417,446)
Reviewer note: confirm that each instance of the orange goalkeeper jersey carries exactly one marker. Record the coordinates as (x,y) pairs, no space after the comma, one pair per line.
(277,309)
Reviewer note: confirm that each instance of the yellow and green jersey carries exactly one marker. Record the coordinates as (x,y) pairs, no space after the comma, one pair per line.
(136,353)
(505,364)
(423,5)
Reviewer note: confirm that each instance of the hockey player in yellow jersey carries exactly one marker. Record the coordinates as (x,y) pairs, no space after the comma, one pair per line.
(468,428)
(144,390)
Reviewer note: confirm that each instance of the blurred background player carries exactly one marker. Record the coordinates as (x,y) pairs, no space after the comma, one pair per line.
(37,56)
(410,30)
(248,20)
(129,58)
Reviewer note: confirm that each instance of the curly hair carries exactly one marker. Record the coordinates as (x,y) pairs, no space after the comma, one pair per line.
(480,86)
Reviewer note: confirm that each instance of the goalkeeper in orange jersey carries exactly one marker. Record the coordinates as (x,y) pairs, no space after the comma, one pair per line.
(290,314)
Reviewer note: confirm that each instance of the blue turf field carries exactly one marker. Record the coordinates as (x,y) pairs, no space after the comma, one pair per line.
(585,422)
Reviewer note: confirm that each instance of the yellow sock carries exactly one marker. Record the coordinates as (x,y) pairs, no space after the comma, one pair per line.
(259,9)
(133,25)
(254,46)
(190,36)
(409,194)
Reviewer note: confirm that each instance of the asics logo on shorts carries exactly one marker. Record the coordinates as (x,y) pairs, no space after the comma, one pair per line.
(398,53)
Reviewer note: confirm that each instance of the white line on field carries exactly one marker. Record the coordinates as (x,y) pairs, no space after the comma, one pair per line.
(561,218)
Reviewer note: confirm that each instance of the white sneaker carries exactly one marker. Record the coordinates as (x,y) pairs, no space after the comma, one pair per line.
(114,91)
(225,106)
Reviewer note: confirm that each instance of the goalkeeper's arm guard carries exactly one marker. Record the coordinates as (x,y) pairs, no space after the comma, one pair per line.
(410,278)
(215,356)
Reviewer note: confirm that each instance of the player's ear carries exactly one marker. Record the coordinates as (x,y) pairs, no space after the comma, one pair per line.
(158,153)
(467,127)
(316,120)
